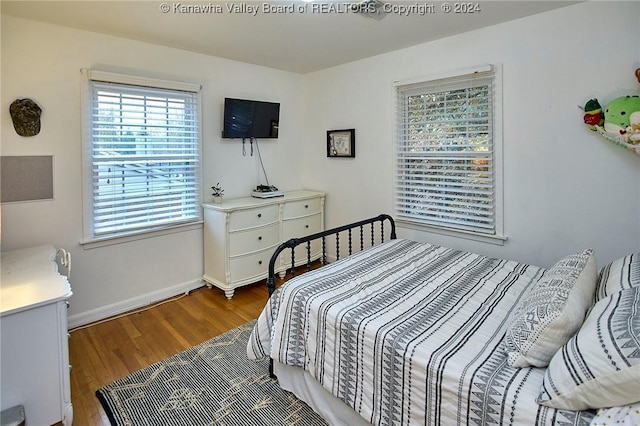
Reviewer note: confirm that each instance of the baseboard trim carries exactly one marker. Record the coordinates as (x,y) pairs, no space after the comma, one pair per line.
(118,308)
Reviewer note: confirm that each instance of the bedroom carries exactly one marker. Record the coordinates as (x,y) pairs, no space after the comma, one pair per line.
(564,189)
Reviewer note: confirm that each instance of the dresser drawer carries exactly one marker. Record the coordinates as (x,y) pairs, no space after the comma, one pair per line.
(253,239)
(301,227)
(252,265)
(295,209)
(243,219)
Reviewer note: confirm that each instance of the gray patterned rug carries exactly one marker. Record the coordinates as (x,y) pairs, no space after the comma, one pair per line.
(210,384)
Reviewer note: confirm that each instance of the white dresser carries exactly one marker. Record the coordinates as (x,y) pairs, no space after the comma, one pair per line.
(34,363)
(241,234)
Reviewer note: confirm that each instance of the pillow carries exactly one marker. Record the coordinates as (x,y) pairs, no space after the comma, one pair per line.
(599,367)
(629,415)
(552,312)
(618,275)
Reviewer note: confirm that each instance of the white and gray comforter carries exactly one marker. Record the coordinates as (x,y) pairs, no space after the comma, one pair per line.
(410,333)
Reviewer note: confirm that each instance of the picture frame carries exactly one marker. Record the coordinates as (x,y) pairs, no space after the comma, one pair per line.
(341,143)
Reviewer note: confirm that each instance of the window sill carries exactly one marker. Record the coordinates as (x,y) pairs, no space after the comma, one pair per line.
(126,238)
(485,238)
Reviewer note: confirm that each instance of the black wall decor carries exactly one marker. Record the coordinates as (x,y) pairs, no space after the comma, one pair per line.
(25,114)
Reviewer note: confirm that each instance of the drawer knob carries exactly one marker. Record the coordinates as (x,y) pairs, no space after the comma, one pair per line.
(259,262)
(259,214)
(259,238)
(306,226)
(306,206)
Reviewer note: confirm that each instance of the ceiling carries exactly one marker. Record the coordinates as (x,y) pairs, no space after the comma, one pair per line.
(291,35)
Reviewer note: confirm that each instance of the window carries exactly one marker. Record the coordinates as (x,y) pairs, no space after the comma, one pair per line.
(447,163)
(142,155)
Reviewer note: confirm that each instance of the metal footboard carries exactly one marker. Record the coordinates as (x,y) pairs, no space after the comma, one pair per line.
(372,231)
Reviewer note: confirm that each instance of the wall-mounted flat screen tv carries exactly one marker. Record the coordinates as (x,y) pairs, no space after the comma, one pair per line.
(245,118)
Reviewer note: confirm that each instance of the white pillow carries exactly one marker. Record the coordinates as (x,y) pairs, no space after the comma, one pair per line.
(599,367)
(628,415)
(620,274)
(552,312)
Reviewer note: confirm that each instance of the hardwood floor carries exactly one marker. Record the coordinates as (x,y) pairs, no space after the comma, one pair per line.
(107,351)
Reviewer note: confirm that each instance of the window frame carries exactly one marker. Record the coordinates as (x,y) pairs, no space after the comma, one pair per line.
(90,240)
(497,237)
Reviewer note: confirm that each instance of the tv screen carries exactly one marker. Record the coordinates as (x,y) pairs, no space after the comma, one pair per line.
(245,118)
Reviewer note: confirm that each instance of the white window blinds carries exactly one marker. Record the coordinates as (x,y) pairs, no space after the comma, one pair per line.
(144,150)
(445,153)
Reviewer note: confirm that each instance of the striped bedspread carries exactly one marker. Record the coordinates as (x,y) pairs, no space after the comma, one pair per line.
(410,333)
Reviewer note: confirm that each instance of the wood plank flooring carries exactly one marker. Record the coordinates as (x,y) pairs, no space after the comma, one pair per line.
(107,351)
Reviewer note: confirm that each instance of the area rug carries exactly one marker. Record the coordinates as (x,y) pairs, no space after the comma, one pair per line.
(210,384)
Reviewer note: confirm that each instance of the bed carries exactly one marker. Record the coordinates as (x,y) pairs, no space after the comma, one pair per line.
(400,332)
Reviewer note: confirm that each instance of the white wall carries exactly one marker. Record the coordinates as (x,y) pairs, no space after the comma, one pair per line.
(43,62)
(564,187)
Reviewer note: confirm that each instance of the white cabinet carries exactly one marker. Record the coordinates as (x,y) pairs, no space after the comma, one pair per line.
(241,234)
(34,363)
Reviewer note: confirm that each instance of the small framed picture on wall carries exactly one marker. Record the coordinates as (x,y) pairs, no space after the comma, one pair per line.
(341,143)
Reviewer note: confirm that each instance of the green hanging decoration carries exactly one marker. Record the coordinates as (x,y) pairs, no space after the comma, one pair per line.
(619,122)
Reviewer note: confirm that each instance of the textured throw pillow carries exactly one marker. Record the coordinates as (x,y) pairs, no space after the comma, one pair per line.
(599,367)
(552,312)
(618,275)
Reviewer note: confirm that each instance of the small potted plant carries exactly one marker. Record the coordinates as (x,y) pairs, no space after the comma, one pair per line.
(217,192)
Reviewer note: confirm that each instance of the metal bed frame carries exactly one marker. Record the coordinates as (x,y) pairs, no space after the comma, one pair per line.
(294,242)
